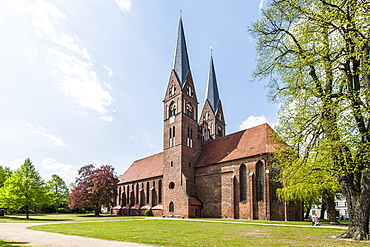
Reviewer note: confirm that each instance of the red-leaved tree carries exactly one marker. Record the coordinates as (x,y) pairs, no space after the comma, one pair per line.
(96,187)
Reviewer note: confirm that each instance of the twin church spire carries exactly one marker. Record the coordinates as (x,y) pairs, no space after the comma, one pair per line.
(212,119)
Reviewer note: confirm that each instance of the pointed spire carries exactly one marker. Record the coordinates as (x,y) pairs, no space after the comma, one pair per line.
(181,64)
(212,90)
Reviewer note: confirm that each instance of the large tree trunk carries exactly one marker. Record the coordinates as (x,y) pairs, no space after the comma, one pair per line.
(322,211)
(308,209)
(358,204)
(332,217)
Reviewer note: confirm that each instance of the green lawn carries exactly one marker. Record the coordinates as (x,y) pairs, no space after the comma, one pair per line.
(197,233)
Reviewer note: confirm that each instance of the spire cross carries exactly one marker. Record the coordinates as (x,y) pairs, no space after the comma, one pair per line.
(211,49)
(180,12)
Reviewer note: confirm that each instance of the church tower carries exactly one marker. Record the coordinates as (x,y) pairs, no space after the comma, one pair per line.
(181,145)
(212,118)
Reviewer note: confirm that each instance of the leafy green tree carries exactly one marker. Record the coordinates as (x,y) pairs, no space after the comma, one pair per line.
(5,172)
(58,191)
(316,56)
(24,188)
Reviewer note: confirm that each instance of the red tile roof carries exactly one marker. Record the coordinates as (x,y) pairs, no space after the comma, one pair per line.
(148,167)
(238,145)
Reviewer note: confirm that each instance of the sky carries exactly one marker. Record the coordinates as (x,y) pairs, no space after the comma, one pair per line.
(83,81)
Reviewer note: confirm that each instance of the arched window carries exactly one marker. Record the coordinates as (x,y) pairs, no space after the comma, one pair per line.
(189,110)
(147,192)
(160,191)
(243,183)
(172,109)
(171,207)
(220,132)
(172,90)
(260,181)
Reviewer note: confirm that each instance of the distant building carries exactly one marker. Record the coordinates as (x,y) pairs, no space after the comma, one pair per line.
(202,172)
(340,209)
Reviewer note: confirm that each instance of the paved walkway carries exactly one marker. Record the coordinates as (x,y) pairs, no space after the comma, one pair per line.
(18,232)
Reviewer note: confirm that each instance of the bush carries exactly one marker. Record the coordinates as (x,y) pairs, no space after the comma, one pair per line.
(148,212)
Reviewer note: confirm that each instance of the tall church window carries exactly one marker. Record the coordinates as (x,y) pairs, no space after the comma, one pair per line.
(147,192)
(189,139)
(171,207)
(243,183)
(172,136)
(172,109)
(260,181)
(206,116)
(189,110)
(160,191)
(172,90)
(220,132)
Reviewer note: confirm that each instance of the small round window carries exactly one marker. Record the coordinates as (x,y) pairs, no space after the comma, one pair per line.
(171,185)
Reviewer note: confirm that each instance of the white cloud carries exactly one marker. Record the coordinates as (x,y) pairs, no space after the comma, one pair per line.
(74,69)
(125,5)
(16,164)
(65,171)
(55,141)
(252,121)
(107,118)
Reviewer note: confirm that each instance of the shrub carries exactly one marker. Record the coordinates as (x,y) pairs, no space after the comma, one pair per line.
(148,212)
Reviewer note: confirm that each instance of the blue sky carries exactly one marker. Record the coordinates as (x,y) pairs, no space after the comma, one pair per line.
(83,81)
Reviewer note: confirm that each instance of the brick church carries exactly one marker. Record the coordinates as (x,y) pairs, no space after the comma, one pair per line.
(202,172)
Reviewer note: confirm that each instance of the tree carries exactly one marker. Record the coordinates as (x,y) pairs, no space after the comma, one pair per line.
(24,188)
(5,172)
(95,188)
(316,56)
(58,191)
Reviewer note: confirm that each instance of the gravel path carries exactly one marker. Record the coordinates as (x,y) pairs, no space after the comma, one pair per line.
(18,232)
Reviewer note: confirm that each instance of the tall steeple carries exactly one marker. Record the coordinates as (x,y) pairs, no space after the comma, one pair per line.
(181,145)
(212,118)
(181,64)
(212,90)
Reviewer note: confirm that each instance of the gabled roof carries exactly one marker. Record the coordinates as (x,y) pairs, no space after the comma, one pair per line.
(148,167)
(211,89)
(181,64)
(245,143)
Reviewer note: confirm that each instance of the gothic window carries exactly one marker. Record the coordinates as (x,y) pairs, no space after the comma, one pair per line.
(172,90)
(189,139)
(243,183)
(275,185)
(220,116)
(172,109)
(172,136)
(123,202)
(147,192)
(206,116)
(189,110)
(220,132)
(160,191)
(171,207)
(260,181)
(137,194)
(189,91)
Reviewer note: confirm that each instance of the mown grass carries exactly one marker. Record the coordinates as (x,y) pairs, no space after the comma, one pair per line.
(47,218)
(199,233)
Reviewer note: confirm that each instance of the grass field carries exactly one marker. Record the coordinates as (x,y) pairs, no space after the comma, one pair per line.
(219,232)
(199,233)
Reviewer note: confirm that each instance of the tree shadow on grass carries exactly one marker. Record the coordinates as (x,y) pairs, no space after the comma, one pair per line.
(31,219)
(9,243)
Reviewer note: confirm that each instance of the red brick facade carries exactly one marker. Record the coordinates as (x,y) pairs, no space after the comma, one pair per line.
(201,172)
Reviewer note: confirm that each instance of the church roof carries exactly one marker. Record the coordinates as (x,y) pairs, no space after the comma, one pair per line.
(245,143)
(212,90)
(148,167)
(181,64)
